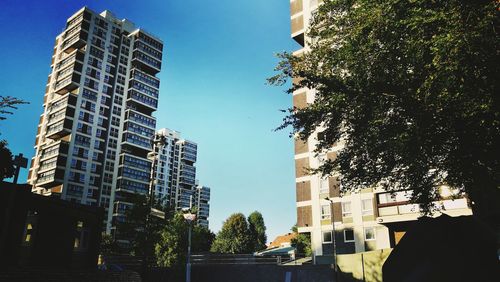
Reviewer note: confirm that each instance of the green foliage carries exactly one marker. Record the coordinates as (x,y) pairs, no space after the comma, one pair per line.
(412,87)
(171,249)
(233,238)
(302,242)
(257,231)
(8,103)
(108,245)
(141,229)
(6,161)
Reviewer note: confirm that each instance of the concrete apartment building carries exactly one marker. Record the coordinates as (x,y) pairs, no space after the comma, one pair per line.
(369,220)
(175,174)
(96,129)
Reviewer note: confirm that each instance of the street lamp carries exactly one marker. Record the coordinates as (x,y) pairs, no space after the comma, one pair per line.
(333,238)
(190,218)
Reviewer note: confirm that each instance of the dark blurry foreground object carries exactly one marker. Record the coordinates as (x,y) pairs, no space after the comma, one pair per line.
(46,233)
(444,249)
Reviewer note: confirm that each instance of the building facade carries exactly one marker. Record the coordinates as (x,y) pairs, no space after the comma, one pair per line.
(96,128)
(368,220)
(202,204)
(174,174)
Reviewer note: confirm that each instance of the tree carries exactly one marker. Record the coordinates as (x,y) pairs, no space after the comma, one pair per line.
(301,242)
(8,103)
(171,249)
(140,228)
(108,245)
(257,230)
(411,89)
(233,238)
(6,161)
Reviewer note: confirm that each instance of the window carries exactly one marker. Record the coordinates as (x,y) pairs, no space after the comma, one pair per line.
(29,228)
(346,209)
(369,233)
(82,178)
(81,236)
(348,235)
(325,212)
(367,206)
(71,175)
(327,236)
(323,186)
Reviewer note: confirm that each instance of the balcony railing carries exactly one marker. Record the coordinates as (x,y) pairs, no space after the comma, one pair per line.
(68,84)
(146,63)
(59,129)
(74,42)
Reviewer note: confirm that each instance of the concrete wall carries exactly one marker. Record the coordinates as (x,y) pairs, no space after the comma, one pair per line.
(262,273)
(367,265)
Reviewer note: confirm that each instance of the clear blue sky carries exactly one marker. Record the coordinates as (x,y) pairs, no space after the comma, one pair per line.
(217,56)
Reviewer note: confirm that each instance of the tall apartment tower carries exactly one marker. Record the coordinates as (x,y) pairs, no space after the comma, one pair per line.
(368,220)
(175,173)
(97,125)
(203,204)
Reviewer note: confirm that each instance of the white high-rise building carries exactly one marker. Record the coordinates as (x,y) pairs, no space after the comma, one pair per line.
(96,128)
(369,220)
(175,174)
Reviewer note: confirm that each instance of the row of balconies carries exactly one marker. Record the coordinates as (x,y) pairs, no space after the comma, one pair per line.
(137,117)
(52,163)
(74,42)
(67,84)
(145,62)
(142,100)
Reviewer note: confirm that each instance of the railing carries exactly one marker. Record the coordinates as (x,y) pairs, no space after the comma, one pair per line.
(235,259)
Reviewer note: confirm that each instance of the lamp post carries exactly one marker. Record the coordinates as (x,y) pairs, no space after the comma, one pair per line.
(333,238)
(189,216)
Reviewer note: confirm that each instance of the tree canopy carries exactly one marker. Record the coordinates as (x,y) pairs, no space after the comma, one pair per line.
(233,238)
(301,242)
(171,249)
(140,228)
(257,230)
(7,104)
(6,161)
(411,89)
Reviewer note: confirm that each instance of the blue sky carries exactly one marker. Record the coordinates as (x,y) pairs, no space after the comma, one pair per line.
(217,56)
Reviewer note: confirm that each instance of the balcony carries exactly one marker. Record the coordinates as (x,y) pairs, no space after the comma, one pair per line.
(149,103)
(67,84)
(50,178)
(137,141)
(74,42)
(146,63)
(59,129)
(397,207)
(130,186)
(188,157)
(55,149)
(139,118)
(135,162)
